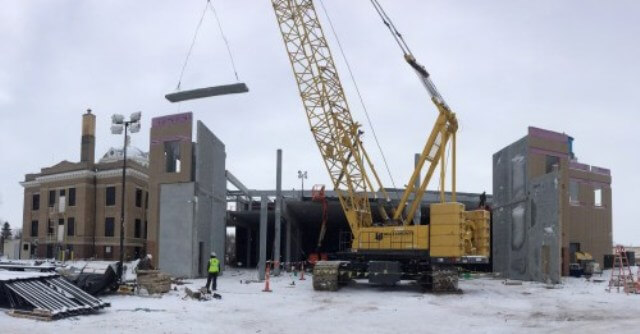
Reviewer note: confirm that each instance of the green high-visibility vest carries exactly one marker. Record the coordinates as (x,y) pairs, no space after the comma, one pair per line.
(214,265)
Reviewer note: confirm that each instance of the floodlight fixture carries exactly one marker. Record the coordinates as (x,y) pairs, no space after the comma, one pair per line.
(117,119)
(134,127)
(117,129)
(135,117)
(118,126)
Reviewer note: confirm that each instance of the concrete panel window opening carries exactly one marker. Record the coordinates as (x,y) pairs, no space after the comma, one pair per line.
(573,192)
(35,202)
(172,156)
(597,194)
(110,196)
(49,228)
(109,227)
(72,196)
(551,163)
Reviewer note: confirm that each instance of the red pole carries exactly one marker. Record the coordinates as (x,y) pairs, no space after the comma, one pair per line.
(266,281)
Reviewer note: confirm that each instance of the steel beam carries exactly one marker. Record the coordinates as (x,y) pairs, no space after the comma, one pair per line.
(263,237)
(278,211)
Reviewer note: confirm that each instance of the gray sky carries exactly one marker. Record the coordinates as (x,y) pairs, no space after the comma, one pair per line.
(570,66)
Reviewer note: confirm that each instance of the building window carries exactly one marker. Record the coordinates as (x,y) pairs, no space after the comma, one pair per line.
(138,198)
(146,199)
(60,233)
(109,227)
(550,162)
(110,196)
(574,190)
(597,193)
(137,233)
(49,227)
(52,198)
(34,228)
(62,192)
(35,202)
(71,226)
(72,196)
(146,225)
(172,156)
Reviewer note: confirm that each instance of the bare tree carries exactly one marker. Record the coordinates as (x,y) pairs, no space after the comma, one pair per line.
(5,234)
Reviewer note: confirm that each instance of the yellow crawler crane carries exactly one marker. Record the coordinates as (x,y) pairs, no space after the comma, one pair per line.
(392,249)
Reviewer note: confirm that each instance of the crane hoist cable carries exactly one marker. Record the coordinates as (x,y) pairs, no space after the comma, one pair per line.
(357,88)
(208,6)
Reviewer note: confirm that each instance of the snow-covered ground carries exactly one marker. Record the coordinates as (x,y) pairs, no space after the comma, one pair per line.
(486,306)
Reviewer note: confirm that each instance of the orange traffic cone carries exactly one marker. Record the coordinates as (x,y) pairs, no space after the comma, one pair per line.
(302,272)
(266,279)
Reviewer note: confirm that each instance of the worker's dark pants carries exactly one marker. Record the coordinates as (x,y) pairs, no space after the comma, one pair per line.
(212,277)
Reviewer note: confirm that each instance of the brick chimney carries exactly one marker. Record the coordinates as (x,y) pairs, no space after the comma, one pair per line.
(88,145)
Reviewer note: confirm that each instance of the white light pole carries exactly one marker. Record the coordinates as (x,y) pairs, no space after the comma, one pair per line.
(118,124)
(302,175)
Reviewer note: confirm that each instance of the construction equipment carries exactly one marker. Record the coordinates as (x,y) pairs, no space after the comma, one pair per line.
(318,195)
(584,265)
(391,247)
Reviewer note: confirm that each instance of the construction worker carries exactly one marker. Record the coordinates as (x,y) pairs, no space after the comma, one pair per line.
(214,269)
(145,263)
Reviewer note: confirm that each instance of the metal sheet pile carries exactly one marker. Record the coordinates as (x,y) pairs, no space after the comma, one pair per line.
(45,296)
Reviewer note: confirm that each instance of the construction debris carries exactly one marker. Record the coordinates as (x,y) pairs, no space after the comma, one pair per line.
(44,296)
(94,277)
(201,295)
(154,281)
(512,282)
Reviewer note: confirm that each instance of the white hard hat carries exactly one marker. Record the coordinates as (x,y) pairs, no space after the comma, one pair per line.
(213,254)
(149,256)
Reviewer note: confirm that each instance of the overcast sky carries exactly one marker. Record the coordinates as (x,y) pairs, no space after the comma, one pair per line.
(570,66)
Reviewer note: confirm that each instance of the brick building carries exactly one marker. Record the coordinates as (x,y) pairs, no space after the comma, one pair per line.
(547,206)
(72,209)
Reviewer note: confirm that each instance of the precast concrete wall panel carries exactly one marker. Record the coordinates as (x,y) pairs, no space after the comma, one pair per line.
(544,231)
(509,194)
(212,185)
(176,229)
(526,226)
